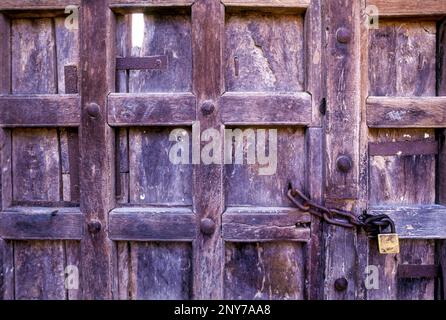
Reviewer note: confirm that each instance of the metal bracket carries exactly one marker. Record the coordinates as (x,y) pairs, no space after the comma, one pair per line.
(142,63)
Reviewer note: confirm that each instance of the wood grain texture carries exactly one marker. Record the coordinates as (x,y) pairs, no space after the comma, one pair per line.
(33,65)
(252,108)
(159,270)
(207,47)
(5,54)
(402,179)
(144,224)
(265,224)
(150,109)
(25,223)
(35,165)
(40,111)
(416,222)
(268,3)
(37,4)
(402,8)
(6,167)
(341,129)
(271,270)
(154,179)
(6,270)
(33,260)
(244,184)
(96,146)
(403,112)
(170,35)
(269,52)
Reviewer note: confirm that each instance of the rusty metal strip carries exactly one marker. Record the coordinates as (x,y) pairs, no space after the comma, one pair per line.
(71,79)
(403,148)
(142,63)
(418,271)
(73,159)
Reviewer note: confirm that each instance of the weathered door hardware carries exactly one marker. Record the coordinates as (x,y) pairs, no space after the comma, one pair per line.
(373,225)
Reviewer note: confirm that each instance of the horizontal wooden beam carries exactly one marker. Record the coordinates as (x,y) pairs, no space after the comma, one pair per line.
(265,224)
(403,112)
(407,8)
(403,148)
(23,223)
(264,108)
(141,63)
(36,4)
(416,222)
(144,224)
(151,109)
(120,3)
(40,110)
(416,271)
(273,4)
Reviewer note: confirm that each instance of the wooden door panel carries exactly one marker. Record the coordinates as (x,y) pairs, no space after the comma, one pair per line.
(264,270)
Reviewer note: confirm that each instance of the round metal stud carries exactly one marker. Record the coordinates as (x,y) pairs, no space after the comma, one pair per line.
(343,35)
(344,163)
(341,284)
(94,226)
(207,226)
(207,108)
(93,109)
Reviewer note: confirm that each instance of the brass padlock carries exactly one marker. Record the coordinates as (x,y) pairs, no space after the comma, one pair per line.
(388,243)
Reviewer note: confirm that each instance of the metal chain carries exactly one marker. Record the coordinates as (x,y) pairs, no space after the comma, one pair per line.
(372,224)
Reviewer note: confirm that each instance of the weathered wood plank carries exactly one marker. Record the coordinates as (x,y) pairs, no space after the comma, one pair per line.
(264,52)
(404,8)
(265,224)
(35,165)
(404,112)
(403,148)
(97,45)
(207,36)
(5,54)
(262,108)
(303,4)
(6,167)
(160,270)
(402,180)
(270,270)
(40,111)
(33,64)
(6,270)
(143,224)
(416,222)
(26,223)
(37,4)
(153,178)
(342,125)
(266,184)
(149,3)
(150,109)
(39,270)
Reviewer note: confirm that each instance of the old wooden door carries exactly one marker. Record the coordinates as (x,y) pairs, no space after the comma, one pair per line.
(95,95)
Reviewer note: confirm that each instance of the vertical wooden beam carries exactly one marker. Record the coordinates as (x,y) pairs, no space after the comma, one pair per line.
(314,162)
(342,56)
(96,147)
(207,31)
(441,172)
(313,59)
(6,247)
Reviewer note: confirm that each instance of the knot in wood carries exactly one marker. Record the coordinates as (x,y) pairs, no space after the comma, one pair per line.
(207,226)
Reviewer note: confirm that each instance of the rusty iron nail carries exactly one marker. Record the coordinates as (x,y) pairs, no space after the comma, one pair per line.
(158,63)
(207,107)
(207,226)
(94,226)
(93,109)
(341,284)
(343,35)
(344,163)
